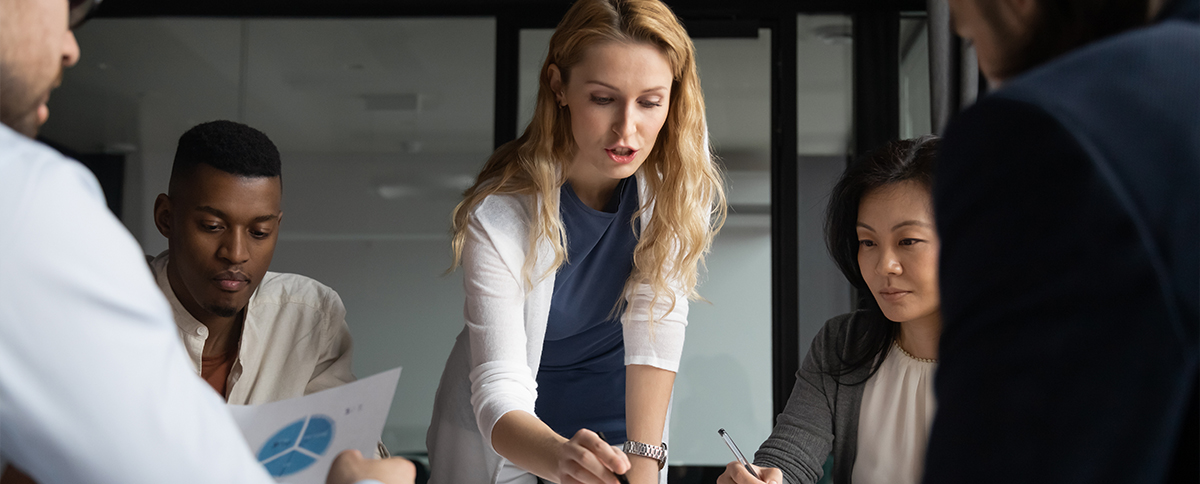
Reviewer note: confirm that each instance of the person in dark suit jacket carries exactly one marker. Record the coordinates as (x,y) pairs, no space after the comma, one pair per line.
(1068,205)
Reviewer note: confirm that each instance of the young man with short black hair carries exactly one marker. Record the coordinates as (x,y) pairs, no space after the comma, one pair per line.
(255,336)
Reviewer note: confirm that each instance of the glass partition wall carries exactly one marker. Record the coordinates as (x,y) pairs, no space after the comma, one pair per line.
(824,112)
(914,75)
(725,377)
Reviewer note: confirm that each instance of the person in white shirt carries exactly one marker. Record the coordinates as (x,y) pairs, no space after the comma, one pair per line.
(255,336)
(94,385)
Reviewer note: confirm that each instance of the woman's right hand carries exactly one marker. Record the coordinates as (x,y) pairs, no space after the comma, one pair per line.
(588,459)
(735,473)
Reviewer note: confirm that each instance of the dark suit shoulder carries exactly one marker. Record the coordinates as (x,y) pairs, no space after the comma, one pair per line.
(999,149)
(1131,104)
(1126,100)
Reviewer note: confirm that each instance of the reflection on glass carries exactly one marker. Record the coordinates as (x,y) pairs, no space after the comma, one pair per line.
(914,76)
(535,45)
(824,80)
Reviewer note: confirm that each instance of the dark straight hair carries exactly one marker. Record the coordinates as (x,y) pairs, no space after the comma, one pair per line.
(896,162)
(1064,25)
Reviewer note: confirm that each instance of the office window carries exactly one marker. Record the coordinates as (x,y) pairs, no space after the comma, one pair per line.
(914,75)
(824,119)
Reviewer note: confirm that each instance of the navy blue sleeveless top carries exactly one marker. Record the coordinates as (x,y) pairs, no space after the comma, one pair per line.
(581,380)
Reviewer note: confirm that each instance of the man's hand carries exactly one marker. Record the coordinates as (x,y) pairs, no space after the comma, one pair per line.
(735,473)
(350,467)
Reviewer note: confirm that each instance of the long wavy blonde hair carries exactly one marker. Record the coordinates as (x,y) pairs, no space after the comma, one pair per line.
(684,183)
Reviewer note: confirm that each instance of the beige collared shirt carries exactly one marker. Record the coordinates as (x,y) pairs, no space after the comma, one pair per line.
(294,341)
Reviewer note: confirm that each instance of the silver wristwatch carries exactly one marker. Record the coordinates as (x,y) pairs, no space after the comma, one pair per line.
(646,450)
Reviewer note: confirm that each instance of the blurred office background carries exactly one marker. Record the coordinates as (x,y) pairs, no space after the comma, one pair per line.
(383,118)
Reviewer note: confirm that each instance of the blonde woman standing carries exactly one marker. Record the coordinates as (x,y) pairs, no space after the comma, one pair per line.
(580,243)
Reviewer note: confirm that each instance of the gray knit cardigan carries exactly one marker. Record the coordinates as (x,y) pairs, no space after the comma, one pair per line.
(821,415)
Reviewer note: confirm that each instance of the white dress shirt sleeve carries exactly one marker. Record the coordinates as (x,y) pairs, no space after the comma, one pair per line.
(94,385)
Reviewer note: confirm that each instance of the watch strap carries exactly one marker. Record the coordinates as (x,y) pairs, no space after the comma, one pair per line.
(655,452)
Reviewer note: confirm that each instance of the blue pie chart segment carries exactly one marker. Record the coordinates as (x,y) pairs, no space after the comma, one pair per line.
(318,435)
(282,441)
(289,463)
(297,445)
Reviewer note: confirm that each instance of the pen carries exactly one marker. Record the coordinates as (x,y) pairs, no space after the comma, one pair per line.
(737,453)
(620,477)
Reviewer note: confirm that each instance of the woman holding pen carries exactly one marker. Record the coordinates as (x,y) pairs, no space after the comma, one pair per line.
(579,244)
(865,390)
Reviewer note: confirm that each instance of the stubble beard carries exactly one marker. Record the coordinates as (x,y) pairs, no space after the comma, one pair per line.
(222,311)
(18,106)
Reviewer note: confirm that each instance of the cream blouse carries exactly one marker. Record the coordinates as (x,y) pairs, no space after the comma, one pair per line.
(893,423)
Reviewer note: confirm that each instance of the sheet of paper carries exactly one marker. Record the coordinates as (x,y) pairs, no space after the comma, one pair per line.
(297,439)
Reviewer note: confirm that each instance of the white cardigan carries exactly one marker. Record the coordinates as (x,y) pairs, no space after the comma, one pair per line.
(492,369)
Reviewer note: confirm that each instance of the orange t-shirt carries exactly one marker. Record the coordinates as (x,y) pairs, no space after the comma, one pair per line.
(215,371)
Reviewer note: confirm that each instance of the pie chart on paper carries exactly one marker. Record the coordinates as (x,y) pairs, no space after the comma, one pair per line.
(297,445)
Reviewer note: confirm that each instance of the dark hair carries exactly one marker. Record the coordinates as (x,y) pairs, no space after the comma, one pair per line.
(898,161)
(231,147)
(1064,25)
